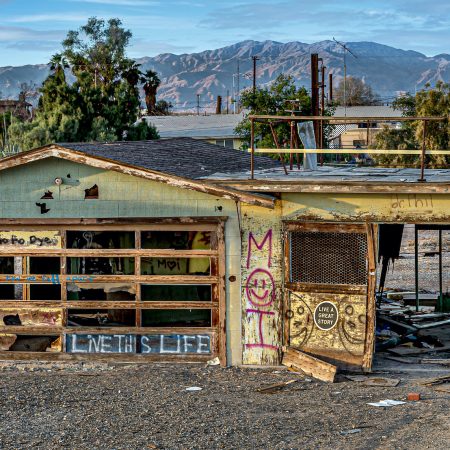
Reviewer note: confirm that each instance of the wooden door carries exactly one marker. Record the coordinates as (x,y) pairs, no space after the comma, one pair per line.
(330,297)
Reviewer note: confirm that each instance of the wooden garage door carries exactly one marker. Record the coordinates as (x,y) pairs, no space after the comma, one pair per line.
(330,282)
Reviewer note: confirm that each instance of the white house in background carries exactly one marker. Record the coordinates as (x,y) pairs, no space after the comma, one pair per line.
(214,128)
(353,135)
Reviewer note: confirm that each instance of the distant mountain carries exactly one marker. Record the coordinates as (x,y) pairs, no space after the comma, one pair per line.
(210,73)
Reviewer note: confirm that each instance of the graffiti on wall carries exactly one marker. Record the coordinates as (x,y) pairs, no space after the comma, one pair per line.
(260,291)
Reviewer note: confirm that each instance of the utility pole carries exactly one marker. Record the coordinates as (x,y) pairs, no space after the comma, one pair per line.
(255,58)
(238,96)
(330,88)
(346,49)
(315,93)
(228,97)
(322,102)
(219,105)
(198,104)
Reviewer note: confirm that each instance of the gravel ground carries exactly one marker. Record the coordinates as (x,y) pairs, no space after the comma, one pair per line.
(96,406)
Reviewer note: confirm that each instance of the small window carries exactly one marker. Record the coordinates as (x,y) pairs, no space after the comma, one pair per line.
(101,292)
(41,266)
(176,318)
(228,143)
(176,293)
(45,292)
(100,266)
(100,239)
(175,266)
(101,318)
(176,240)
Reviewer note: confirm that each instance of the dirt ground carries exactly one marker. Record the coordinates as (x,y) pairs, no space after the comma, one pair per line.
(97,406)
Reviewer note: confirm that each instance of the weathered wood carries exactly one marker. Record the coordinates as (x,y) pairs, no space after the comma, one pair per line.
(402,351)
(371,286)
(309,365)
(222,295)
(329,288)
(315,185)
(109,253)
(324,227)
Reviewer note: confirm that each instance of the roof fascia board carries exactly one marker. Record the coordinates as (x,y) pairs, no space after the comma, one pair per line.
(109,164)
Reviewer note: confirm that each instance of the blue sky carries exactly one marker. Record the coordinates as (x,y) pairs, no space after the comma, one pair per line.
(31,30)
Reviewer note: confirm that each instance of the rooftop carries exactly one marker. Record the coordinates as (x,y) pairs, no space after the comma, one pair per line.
(184,157)
(196,126)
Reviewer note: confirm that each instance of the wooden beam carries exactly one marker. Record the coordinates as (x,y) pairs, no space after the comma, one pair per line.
(309,365)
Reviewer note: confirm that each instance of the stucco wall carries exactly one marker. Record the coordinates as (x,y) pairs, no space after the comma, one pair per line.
(122,196)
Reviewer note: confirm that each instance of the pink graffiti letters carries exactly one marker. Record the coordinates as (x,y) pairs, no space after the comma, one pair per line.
(261,343)
(251,238)
(260,288)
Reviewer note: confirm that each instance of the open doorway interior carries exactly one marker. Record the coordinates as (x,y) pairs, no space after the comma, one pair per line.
(413,290)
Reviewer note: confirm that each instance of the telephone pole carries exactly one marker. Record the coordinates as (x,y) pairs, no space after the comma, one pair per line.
(330,88)
(315,93)
(255,58)
(237,86)
(198,104)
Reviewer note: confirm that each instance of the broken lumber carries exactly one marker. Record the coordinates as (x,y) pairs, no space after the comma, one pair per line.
(309,365)
(399,351)
(275,387)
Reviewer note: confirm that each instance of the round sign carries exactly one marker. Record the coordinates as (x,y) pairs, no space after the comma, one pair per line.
(326,315)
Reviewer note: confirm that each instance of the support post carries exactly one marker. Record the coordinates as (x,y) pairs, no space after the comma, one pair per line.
(441,294)
(277,145)
(252,148)
(330,88)
(416,265)
(422,158)
(315,93)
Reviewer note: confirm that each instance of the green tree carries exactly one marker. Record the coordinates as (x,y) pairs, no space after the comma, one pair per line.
(102,104)
(151,83)
(281,96)
(426,103)
(357,93)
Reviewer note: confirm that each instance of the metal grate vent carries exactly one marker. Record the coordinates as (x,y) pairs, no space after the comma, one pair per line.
(328,258)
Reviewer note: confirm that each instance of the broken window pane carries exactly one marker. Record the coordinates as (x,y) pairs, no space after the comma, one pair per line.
(45,292)
(176,318)
(101,317)
(177,240)
(39,265)
(175,266)
(101,291)
(176,292)
(100,266)
(7,265)
(25,343)
(100,239)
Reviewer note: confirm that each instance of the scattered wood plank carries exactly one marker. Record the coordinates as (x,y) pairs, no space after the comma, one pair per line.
(401,351)
(404,360)
(444,362)
(276,387)
(309,365)
(437,381)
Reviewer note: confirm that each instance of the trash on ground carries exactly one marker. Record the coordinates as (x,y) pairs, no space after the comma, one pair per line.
(413,397)
(374,381)
(193,388)
(352,431)
(213,362)
(387,402)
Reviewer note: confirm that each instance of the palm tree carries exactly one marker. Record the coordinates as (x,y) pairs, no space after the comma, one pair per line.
(151,83)
(57,63)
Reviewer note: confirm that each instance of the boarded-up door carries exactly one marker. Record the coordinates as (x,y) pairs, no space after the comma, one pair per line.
(330,282)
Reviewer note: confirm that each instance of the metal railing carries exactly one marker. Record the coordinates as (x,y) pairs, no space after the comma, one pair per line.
(320,122)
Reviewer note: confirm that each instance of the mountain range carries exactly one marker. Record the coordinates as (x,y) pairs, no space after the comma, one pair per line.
(214,72)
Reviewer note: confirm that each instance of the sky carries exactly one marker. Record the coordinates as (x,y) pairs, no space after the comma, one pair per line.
(32,30)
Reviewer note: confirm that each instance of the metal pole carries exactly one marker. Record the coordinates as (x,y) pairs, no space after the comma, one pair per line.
(292,145)
(198,104)
(416,265)
(315,93)
(255,58)
(441,294)
(252,148)
(330,88)
(422,159)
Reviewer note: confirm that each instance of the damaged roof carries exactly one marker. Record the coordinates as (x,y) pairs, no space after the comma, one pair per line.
(185,157)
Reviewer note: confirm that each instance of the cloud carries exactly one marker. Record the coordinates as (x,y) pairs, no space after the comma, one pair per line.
(120,2)
(50,17)
(10,34)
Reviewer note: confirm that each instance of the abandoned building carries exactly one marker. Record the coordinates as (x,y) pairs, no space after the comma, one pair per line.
(178,249)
